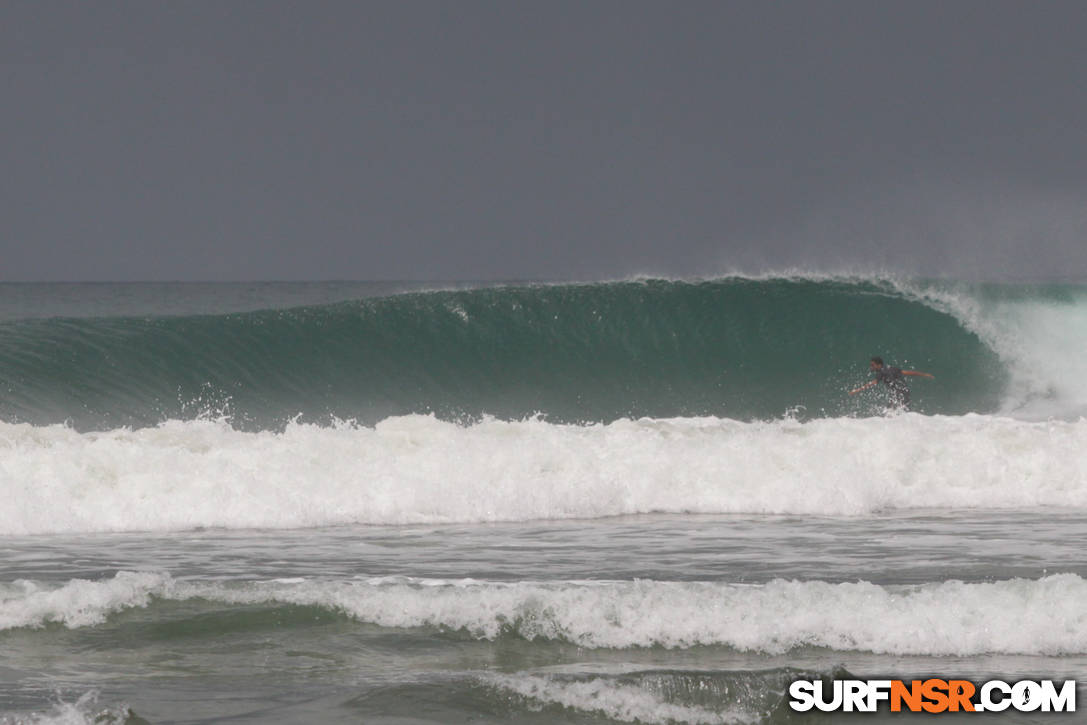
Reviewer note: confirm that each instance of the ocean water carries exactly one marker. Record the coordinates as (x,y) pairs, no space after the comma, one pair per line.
(637,501)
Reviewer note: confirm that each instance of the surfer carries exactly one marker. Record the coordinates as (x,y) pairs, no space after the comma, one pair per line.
(893,378)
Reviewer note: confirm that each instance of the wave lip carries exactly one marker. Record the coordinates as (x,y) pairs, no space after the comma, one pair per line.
(79,602)
(1046,616)
(735,347)
(1039,333)
(417,469)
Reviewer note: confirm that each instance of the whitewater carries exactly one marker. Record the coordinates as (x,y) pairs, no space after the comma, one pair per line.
(773,617)
(643,500)
(417,469)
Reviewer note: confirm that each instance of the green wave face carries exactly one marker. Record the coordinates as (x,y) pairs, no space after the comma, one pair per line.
(737,348)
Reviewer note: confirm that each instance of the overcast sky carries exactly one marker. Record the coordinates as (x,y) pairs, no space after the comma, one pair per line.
(469,140)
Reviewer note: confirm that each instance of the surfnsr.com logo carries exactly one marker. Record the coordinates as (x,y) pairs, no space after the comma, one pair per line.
(933,695)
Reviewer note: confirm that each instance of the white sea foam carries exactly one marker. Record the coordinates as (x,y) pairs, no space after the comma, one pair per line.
(84,711)
(1046,616)
(622,702)
(79,602)
(416,469)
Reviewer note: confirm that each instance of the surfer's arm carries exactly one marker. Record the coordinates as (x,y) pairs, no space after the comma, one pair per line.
(867,385)
(917,372)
